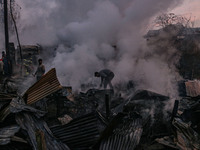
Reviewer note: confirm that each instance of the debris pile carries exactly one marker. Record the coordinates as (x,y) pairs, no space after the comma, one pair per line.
(82,132)
(123,132)
(187,123)
(185,120)
(49,116)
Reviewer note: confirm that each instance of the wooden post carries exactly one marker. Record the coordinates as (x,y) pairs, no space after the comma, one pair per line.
(6,29)
(107,103)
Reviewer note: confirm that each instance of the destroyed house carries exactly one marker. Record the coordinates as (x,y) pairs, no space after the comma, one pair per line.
(97,119)
(179,31)
(185,41)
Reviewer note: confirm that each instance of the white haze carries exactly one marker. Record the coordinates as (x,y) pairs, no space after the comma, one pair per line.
(85,33)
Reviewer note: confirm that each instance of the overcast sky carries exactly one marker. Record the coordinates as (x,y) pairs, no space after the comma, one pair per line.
(189,8)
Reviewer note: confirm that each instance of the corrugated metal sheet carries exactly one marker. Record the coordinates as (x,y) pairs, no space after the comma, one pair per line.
(187,137)
(6,99)
(29,119)
(146,94)
(33,125)
(192,88)
(7,133)
(16,146)
(4,113)
(81,133)
(5,96)
(125,136)
(47,85)
(3,103)
(15,106)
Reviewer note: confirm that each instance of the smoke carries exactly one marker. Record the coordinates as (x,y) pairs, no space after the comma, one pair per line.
(94,34)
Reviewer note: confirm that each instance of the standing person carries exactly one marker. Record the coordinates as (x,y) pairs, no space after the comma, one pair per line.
(5,65)
(1,65)
(106,77)
(40,70)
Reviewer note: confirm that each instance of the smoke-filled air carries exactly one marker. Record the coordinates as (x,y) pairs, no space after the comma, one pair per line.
(90,35)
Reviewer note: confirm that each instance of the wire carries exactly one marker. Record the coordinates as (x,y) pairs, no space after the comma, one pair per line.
(11,12)
(20,49)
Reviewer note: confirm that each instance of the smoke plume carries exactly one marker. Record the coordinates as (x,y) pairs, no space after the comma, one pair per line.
(94,34)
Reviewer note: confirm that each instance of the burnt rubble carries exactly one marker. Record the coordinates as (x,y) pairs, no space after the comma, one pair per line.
(55,118)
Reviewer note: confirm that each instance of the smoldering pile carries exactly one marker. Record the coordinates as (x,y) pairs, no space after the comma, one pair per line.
(49,116)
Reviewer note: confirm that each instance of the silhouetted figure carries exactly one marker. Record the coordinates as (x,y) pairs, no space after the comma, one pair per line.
(40,70)
(6,70)
(106,77)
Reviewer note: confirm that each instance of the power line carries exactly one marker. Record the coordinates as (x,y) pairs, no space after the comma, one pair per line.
(11,12)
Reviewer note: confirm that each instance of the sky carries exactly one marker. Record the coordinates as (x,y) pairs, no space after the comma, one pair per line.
(189,8)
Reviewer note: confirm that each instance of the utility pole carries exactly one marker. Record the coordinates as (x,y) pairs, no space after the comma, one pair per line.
(7,38)
(6,29)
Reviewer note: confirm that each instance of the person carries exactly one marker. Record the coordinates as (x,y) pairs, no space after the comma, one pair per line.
(106,77)
(5,65)
(1,65)
(40,70)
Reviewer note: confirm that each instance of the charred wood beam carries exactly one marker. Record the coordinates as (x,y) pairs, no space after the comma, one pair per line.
(175,109)
(107,103)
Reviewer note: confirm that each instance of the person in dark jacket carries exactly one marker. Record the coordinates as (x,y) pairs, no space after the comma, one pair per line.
(106,77)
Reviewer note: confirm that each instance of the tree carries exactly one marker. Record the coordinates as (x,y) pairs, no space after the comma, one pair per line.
(171,19)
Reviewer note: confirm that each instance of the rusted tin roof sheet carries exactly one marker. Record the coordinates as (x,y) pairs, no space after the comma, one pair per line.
(125,137)
(47,85)
(192,88)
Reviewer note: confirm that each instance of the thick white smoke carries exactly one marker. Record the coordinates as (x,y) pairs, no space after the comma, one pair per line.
(96,34)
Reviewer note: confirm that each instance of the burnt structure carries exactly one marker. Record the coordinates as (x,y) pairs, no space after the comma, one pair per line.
(186,42)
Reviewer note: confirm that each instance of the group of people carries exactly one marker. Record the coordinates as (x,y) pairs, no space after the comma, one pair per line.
(28,63)
(5,68)
(40,70)
(106,75)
